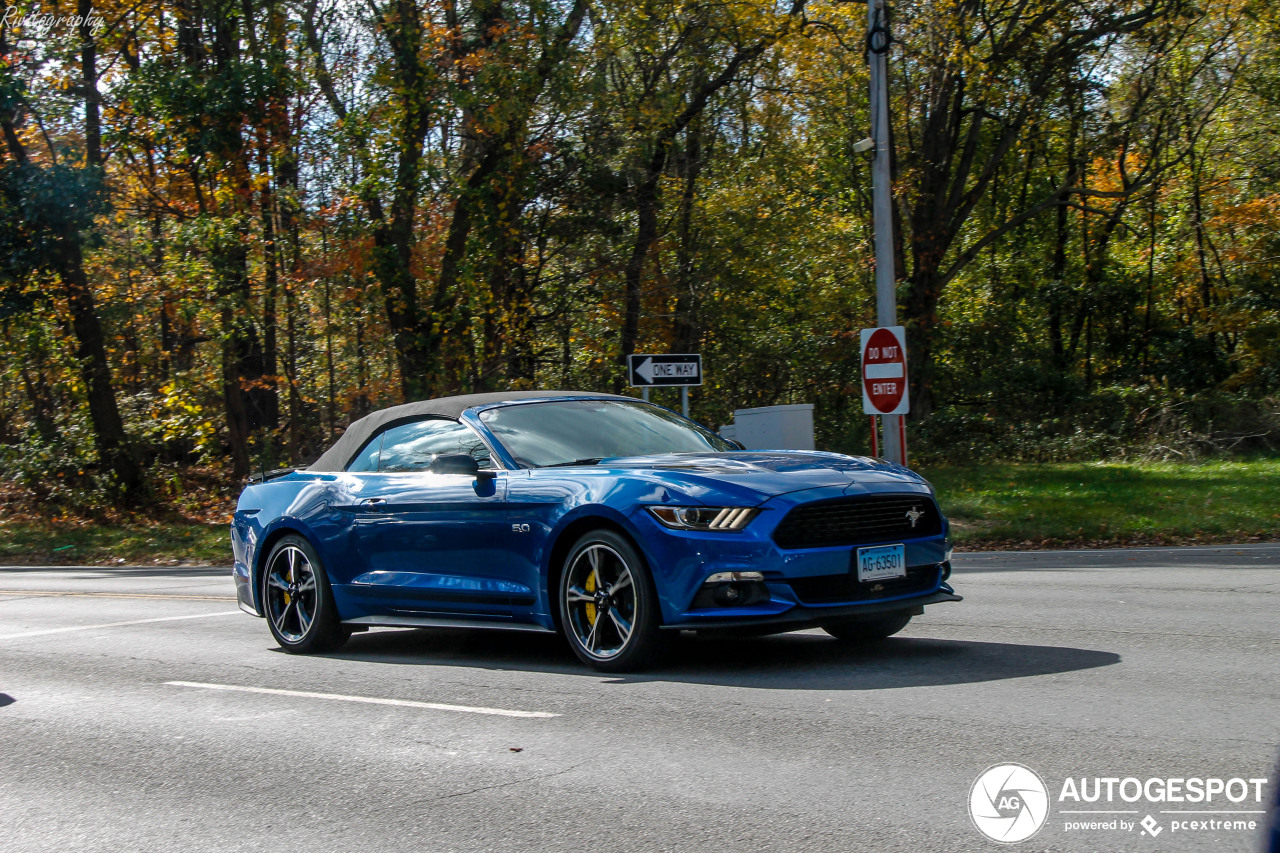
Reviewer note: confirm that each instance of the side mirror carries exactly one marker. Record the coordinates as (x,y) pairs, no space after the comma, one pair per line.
(456,463)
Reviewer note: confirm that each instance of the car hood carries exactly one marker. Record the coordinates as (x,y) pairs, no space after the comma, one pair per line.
(761,475)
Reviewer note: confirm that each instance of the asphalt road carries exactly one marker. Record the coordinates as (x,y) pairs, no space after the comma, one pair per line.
(1146,663)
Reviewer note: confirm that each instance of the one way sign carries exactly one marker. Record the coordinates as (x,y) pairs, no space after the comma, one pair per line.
(644,371)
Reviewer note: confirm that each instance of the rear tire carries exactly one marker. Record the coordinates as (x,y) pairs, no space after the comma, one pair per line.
(867,630)
(608,606)
(298,601)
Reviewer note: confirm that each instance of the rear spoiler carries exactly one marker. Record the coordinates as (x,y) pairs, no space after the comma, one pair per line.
(269,475)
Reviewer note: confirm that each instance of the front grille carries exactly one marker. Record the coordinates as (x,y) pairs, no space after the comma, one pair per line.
(828,589)
(858,521)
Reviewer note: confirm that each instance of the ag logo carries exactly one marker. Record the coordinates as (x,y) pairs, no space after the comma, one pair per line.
(1008,803)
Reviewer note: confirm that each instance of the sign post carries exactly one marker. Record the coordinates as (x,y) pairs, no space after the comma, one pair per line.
(879,43)
(645,371)
(884,386)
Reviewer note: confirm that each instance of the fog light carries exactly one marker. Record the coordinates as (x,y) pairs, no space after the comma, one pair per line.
(727,595)
(730,589)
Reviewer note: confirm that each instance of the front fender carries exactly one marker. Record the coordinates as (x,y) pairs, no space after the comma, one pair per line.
(564,525)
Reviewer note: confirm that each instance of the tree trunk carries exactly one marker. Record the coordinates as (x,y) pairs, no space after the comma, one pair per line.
(110,441)
(109,437)
(37,388)
(1202,262)
(687,333)
(647,206)
(247,399)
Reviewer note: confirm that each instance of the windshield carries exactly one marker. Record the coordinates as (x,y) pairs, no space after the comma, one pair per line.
(586,431)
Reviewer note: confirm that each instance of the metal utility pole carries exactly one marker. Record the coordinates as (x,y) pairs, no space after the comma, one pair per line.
(878,44)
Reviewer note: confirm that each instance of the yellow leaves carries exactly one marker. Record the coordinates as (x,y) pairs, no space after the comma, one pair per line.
(498,30)
(1106,174)
(179,417)
(224,195)
(472,61)
(839,14)
(1263,211)
(1251,225)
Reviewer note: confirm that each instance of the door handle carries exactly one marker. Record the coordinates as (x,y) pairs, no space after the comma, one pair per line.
(374,504)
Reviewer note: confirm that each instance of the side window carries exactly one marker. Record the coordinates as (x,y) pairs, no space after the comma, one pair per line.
(409,447)
(367,460)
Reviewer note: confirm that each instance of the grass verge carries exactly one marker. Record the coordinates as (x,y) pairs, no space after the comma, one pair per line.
(84,543)
(992,506)
(1065,505)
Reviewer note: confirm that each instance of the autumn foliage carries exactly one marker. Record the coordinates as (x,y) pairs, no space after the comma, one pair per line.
(229,228)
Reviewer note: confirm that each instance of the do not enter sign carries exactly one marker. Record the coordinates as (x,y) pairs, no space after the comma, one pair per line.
(884,371)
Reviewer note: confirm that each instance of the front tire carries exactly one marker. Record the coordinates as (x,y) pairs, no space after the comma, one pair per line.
(298,600)
(608,606)
(867,630)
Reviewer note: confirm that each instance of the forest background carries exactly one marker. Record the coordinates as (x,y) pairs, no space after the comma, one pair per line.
(229,227)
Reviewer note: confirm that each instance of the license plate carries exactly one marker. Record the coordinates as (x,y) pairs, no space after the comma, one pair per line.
(881,563)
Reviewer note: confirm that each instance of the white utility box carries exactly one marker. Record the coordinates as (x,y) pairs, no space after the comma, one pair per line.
(772,427)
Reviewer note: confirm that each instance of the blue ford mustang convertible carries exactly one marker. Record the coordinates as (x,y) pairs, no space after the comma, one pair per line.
(603,517)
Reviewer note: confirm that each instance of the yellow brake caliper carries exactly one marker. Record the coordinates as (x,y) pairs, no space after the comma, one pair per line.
(590,587)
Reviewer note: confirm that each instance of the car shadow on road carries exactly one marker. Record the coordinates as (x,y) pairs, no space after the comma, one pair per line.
(805,661)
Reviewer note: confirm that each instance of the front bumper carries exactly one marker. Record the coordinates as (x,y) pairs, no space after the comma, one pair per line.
(805,586)
(244,538)
(799,618)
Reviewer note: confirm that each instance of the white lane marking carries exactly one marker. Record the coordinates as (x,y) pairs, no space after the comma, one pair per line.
(367,700)
(40,592)
(114,625)
(1162,549)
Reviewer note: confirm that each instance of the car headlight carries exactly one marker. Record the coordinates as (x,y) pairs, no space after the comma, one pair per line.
(726,519)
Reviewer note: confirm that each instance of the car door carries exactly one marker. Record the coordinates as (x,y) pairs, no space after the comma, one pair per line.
(431,542)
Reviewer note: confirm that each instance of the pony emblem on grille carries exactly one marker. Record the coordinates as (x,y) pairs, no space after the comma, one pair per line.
(913,515)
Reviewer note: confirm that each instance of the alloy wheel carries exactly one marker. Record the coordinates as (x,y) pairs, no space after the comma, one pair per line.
(291,593)
(601,601)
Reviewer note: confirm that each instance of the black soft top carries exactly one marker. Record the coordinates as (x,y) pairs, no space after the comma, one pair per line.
(337,458)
